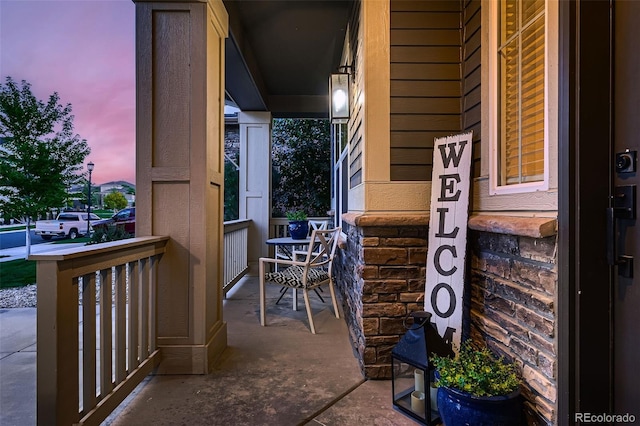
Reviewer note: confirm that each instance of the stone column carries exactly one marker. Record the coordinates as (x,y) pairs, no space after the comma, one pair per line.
(179,167)
(255,180)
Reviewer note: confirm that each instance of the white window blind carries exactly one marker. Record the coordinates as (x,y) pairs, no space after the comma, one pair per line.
(521,75)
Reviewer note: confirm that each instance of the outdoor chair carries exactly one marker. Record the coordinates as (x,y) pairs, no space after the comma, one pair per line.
(298,250)
(308,274)
(313,225)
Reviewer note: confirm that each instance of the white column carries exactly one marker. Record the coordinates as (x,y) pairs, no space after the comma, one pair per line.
(255,180)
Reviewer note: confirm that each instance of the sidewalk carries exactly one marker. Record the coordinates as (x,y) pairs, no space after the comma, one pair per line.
(18,366)
(14,253)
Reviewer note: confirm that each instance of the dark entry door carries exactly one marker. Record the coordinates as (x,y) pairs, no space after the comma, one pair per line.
(626,276)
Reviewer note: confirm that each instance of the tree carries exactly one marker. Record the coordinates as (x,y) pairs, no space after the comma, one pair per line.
(129,189)
(115,200)
(231,190)
(40,156)
(95,194)
(301,157)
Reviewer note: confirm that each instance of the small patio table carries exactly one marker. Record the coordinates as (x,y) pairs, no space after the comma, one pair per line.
(286,246)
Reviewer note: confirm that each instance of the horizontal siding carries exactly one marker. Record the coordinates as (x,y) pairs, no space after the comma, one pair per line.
(425,37)
(472,99)
(476,142)
(430,89)
(442,55)
(422,20)
(426,89)
(423,6)
(409,71)
(472,116)
(472,111)
(472,18)
(412,173)
(416,139)
(471,8)
(471,63)
(425,105)
(472,44)
(356,131)
(472,80)
(412,156)
(426,122)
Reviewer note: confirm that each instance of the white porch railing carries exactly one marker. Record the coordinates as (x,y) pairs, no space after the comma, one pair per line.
(117,350)
(279,226)
(236,263)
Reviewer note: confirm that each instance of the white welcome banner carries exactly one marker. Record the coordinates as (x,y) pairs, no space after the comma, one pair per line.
(448,234)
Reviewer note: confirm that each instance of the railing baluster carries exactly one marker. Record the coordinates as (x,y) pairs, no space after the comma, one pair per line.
(143,330)
(134,279)
(88,342)
(153,291)
(106,332)
(121,324)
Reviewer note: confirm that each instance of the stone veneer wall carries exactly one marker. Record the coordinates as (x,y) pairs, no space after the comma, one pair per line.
(380,274)
(513,301)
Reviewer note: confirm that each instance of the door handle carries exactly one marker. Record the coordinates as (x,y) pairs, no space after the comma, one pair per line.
(623,207)
(611,236)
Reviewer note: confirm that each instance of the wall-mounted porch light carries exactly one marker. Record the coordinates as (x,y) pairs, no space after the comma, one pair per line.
(339,108)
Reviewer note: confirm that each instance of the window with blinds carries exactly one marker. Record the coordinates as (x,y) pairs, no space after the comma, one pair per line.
(521,91)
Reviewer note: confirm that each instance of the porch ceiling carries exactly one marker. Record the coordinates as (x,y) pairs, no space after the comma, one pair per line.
(280,53)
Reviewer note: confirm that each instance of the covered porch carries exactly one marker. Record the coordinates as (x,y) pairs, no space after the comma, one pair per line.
(285,51)
(279,374)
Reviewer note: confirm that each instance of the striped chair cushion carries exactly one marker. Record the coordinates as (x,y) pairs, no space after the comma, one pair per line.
(292,276)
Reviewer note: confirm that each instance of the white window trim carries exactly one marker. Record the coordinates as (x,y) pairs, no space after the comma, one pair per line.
(494,136)
(337,200)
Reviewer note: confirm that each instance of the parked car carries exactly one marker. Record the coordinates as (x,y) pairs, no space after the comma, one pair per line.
(125,219)
(67,224)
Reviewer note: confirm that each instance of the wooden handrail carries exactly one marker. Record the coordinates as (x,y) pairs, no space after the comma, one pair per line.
(125,269)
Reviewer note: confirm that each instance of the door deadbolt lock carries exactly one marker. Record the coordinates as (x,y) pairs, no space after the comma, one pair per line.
(626,161)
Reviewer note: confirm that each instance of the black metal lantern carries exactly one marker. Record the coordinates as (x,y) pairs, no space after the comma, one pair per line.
(339,105)
(412,375)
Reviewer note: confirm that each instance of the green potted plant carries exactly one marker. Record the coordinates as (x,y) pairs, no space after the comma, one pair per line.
(298,224)
(475,387)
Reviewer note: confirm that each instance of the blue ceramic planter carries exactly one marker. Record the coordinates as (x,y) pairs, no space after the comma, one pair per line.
(298,229)
(459,408)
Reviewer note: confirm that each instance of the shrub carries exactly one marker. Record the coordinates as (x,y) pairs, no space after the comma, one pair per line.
(296,215)
(111,233)
(477,372)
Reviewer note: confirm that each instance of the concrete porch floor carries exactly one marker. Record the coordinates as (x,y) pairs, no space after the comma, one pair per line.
(280,374)
(275,375)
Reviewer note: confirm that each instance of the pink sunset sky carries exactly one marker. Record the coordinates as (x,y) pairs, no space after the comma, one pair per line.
(85,51)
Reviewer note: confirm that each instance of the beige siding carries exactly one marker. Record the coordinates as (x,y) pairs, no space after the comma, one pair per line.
(471,113)
(356,123)
(426,84)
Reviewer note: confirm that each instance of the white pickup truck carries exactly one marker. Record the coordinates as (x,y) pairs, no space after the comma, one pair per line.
(67,224)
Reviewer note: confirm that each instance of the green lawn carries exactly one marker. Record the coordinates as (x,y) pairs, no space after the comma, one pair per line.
(17,273)
(14,228)
(105,214)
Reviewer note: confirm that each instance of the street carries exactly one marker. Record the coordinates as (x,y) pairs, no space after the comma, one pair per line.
(12,239)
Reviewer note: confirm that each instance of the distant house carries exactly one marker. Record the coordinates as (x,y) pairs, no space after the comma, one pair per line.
(125,188)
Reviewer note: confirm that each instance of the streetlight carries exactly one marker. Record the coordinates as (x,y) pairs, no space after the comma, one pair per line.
(90,168)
